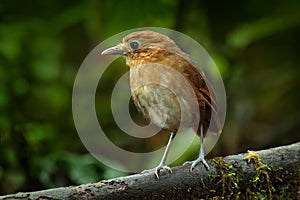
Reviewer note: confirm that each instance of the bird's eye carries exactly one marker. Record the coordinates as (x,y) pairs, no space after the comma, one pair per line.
(134,45)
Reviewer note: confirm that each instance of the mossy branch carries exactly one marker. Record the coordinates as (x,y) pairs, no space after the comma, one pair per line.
(272,173)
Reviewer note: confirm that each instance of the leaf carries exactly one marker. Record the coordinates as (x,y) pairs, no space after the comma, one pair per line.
(250,32)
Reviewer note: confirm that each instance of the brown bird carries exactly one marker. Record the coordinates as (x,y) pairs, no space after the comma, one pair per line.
(164,82)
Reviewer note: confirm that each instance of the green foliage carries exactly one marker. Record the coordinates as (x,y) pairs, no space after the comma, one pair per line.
(266,27)
(42,44)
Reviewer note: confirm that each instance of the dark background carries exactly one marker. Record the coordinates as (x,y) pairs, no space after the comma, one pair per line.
(255,44)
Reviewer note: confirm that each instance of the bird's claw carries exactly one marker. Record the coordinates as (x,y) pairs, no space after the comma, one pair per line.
(196,162)
(157,170)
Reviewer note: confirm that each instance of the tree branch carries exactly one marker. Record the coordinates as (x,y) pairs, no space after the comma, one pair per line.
(269,173)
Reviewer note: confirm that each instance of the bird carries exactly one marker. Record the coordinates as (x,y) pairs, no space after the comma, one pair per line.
(160,77)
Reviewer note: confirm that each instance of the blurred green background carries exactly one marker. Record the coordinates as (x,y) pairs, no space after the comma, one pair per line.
(255,44)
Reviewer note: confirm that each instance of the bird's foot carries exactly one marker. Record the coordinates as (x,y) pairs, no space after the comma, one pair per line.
(196,162)
(158,169)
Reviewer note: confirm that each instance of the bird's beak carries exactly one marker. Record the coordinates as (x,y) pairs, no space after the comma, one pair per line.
(116,50)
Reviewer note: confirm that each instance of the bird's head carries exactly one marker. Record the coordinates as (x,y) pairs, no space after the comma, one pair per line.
(143,45)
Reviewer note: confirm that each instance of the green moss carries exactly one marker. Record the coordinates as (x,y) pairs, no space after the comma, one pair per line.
(228,179)
(267,182)
(260,184)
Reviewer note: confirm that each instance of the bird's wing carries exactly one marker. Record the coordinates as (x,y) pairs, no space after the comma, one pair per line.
(206,91)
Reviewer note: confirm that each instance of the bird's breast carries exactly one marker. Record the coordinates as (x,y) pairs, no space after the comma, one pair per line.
(163,96)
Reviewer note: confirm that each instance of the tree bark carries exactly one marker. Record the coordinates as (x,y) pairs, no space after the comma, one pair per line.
(272,174)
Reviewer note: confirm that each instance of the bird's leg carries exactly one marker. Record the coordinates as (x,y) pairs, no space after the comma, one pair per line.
(201,154)
(162,164)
